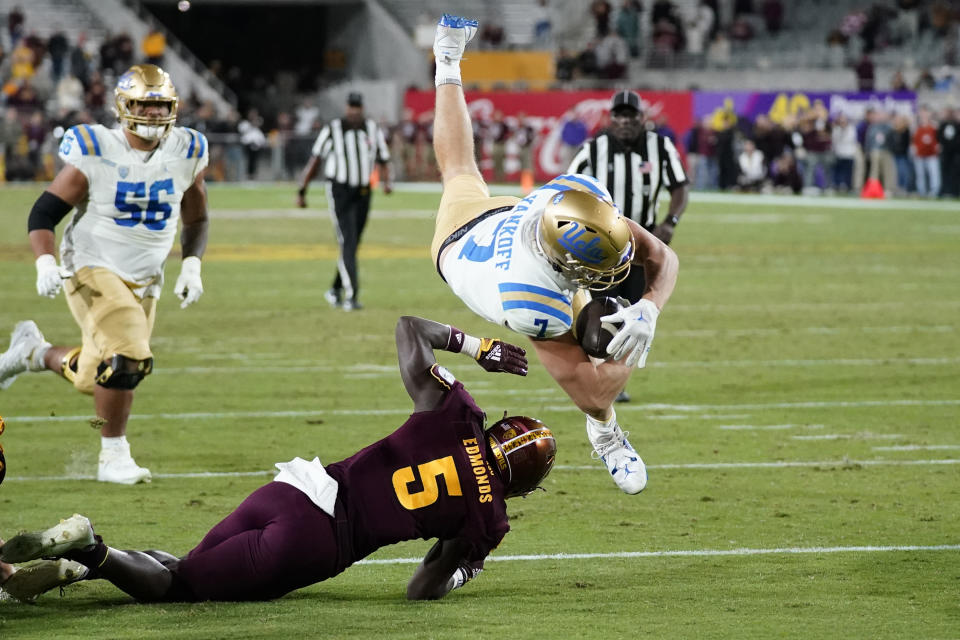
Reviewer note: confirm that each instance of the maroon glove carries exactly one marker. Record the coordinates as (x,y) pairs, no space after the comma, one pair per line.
(497,355)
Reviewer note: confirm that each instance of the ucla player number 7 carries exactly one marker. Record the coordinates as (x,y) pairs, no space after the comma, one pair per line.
(530,264)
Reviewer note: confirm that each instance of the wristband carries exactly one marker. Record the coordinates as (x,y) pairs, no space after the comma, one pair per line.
(460,342)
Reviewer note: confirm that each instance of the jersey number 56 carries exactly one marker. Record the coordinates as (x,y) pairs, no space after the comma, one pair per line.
(156,213)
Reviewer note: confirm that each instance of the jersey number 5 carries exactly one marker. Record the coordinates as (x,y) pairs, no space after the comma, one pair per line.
(428,472)
(154,217)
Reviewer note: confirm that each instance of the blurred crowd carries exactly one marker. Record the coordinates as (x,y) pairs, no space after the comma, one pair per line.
(698,33)
(815,152)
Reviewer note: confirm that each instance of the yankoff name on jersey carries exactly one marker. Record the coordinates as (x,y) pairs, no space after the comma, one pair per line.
(503,243)
(481,472)
(508,231)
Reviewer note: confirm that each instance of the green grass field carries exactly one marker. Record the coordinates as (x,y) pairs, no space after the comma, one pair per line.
(798,416)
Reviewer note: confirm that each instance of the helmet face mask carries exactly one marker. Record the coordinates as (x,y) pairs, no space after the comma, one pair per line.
(586,239)
(139,92)
(523,451)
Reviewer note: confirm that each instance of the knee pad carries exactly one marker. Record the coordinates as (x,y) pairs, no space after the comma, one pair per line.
(122,372)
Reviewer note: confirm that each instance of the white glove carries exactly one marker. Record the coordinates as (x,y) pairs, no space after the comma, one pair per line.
(50,276)
(189,287)
(636,335)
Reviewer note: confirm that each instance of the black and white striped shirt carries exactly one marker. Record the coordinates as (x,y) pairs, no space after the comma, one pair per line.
(350,152)
(633,175)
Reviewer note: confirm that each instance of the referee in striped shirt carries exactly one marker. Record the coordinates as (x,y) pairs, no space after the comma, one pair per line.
(634,164)
(348,147)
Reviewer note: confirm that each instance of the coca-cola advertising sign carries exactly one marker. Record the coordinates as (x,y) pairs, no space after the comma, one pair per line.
(561,119)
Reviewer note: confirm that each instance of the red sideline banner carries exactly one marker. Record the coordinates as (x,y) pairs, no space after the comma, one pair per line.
(562,117)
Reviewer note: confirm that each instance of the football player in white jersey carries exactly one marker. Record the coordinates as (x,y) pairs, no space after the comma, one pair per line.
(128,187)
(529,264)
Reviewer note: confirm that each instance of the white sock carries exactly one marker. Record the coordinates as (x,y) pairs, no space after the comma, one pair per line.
(597,428)
(118,444)
(447,73)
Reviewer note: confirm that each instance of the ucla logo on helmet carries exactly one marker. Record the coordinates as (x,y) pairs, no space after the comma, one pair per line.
(589,252)
(125,83)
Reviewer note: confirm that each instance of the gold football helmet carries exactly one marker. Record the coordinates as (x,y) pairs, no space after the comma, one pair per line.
(145,83)
(586,239)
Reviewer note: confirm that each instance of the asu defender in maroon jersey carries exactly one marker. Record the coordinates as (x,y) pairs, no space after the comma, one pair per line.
(440,475)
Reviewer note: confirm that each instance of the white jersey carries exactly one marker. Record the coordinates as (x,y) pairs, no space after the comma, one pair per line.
(128,221)
(497,270)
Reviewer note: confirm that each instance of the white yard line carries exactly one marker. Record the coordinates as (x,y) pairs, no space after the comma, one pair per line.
(624,408)
(919,447)
(562,467)
(372,371)
(680,553)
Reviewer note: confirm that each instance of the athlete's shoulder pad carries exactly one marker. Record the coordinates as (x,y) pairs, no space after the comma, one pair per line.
(188,143)
(83,141)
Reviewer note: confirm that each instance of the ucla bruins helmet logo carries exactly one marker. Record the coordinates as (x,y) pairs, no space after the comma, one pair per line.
(146,83)
(586,238)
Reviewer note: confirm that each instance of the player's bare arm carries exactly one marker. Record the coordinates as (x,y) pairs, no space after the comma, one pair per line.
(437,575)
(193,214)
(193,242)
(592,388)
(416,340)
(659,262)
(68,189)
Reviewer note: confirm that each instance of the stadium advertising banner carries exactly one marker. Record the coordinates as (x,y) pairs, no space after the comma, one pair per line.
(778,105)
(562,119)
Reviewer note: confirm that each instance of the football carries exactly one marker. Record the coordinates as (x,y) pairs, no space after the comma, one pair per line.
(593,335)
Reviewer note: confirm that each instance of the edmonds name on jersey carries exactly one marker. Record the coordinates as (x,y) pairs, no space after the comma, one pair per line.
(129,220)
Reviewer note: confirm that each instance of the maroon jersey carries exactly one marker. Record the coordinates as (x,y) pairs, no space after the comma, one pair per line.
(428,479)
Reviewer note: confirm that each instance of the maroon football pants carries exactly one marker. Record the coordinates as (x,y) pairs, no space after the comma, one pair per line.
(276,541)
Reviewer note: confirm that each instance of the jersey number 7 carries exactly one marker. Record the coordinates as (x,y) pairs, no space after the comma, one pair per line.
(428,472)
(155,216)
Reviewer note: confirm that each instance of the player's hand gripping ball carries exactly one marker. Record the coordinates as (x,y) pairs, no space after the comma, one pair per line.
(594,335)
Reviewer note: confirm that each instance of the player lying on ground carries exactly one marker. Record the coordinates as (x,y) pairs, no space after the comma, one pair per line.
(312,522)
(528,264)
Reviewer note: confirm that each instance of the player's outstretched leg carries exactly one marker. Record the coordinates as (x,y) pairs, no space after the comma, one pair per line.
(610,446)
(72,533)
(41,576)
(26,351)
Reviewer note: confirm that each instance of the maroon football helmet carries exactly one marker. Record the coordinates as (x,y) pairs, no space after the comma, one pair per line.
(524,450)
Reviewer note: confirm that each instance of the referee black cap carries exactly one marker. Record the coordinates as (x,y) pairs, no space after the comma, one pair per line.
(355,99)
(626,99)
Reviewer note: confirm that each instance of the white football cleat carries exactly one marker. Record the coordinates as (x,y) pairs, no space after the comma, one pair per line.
(27,348)
(119,467)
(622,461)
(453,34)
(37,578)
(75,532)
